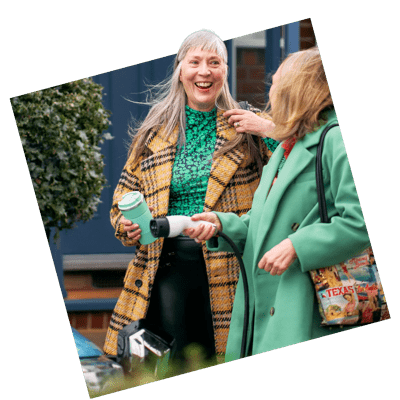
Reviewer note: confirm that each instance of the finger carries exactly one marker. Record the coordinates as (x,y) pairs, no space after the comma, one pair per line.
(206,233)
(233,112)
(235,118)
(129,228)
(198,233)
(191,232)
(133,230)
(273,271)
(261,264)
(240,129)
(186,232)
(125,221)
(209,217)
(135,234)
(280,271)
(201,232)
(268,266)
(137,229)
(196,217)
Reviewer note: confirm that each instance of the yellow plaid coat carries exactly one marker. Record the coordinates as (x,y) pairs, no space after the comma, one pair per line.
(231,187)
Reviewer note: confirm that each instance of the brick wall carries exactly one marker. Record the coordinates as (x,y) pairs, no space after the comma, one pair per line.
(92,325)
(250,70)
(250,73)
(81,285)
(307,35)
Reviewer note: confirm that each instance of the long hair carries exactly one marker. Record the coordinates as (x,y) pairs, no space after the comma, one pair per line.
(300,95)
(168,100)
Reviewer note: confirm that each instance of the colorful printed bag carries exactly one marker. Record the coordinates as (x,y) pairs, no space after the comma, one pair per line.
(350,292)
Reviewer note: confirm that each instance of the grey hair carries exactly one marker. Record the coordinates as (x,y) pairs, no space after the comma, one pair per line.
(168,98)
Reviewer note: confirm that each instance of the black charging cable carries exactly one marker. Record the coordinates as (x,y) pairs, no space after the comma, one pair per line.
(235,249)
(160,227)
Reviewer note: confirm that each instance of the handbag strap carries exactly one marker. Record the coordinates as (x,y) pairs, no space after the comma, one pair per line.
(318,174)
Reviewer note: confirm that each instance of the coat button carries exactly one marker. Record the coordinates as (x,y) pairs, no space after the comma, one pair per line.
(138,283)
(272,311)
(295,226)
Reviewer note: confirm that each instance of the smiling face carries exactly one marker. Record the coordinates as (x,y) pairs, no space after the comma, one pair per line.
(202,75)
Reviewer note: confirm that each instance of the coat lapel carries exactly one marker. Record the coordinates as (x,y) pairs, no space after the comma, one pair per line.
(268,175)
(225,166)
(157,170)
(267,203)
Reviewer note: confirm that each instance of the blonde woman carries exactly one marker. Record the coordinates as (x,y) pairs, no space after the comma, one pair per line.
(281,236)
(185,158)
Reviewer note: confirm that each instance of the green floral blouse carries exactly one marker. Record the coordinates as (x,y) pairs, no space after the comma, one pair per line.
(193,163)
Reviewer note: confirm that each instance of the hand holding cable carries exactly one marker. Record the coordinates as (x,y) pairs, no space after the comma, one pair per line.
(204,231)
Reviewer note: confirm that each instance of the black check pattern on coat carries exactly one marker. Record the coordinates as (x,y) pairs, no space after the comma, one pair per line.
(231,187)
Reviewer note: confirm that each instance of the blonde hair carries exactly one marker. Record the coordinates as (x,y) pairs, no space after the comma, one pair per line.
(300,95)
(168,100)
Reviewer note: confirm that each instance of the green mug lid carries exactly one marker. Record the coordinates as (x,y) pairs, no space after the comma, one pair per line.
(130,200)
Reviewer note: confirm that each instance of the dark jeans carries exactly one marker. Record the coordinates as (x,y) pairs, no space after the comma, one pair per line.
(180,300)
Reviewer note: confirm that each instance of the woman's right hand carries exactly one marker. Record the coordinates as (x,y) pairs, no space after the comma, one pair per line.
(203,231)
(133,231)
(248,122)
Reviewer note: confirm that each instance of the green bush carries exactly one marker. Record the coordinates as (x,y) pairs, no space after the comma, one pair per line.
(61,129)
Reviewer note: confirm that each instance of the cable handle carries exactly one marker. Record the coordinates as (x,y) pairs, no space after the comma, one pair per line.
(178,223)
(174,225)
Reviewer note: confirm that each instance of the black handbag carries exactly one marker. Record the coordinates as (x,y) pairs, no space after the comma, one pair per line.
(348,293)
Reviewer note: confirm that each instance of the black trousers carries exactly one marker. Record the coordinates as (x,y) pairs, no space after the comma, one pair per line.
(180,299)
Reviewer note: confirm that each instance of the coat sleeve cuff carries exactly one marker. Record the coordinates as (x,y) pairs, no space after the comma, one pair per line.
(233,226)
(121,235)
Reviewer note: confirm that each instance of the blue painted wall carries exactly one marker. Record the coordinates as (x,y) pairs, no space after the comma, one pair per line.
(273,51)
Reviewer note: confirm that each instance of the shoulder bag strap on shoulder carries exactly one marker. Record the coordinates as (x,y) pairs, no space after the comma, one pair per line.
(318,174)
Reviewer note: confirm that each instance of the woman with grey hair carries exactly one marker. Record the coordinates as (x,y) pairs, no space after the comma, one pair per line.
(186,158)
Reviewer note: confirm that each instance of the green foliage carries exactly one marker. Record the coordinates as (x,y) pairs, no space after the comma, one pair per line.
(144,373)
(61,129)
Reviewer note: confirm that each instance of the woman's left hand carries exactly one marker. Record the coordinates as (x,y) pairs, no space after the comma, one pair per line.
(246,121)
(277,260)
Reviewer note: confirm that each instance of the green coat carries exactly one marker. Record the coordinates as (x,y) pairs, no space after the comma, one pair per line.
(283,309)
